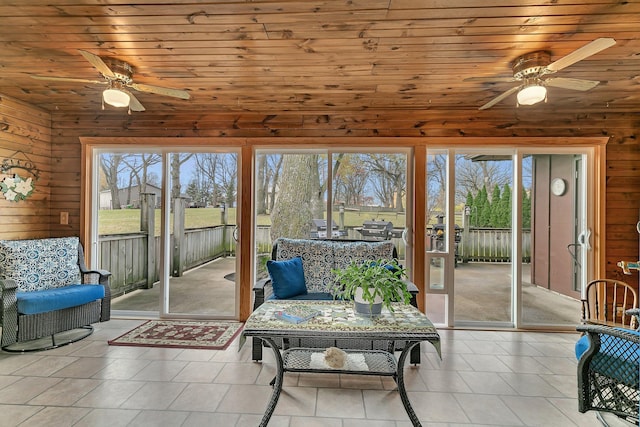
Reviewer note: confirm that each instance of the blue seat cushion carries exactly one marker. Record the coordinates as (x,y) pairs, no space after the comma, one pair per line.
(311,296)
(287,278)
(617,358)
(57,298)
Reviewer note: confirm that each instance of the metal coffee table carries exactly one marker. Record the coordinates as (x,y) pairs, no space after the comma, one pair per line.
(338,324)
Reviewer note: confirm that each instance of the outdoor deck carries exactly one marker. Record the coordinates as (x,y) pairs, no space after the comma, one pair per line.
(482,294)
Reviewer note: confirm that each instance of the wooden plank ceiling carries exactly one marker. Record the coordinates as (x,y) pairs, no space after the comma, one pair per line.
(320,56)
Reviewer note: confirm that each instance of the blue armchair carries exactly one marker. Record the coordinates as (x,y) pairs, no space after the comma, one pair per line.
(609,370)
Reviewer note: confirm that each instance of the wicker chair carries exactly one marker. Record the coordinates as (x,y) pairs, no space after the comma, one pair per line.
(47,291)
(609,370)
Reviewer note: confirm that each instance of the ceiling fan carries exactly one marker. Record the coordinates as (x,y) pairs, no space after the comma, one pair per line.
(118,77)
(531,68)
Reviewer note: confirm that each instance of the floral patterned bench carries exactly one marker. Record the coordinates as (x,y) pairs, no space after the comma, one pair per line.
(47,289)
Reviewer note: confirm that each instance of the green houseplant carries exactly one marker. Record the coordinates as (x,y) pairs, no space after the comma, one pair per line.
(372,285)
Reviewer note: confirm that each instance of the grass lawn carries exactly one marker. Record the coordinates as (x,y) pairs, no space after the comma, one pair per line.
(125,221)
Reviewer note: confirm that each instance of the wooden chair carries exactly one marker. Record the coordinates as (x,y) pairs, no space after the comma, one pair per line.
(607,302)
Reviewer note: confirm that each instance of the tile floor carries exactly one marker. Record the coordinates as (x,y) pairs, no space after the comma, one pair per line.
(485,379)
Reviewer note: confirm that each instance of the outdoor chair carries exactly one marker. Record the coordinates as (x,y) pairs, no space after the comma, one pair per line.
(47,292)
(607,301)
(609,370)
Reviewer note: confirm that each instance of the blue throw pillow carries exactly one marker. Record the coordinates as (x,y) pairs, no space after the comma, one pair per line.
(287,278)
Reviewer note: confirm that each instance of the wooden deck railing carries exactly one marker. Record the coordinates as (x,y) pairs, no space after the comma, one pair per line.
(125,255)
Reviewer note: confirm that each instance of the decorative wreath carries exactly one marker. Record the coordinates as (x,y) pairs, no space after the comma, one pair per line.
(15,188)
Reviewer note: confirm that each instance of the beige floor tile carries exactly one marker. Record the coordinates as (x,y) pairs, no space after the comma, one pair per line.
(238,373)
(25,389)
(200,397)
(536,411)
(297,401)
(486,383)
(201,419)
(152,418)
(199,372)
(12,415)
(248,420)
(246,399)
(56,416)
(108,418)
(122,369)
(445,381)
(46,366)
(342,403)
(110,394)
(85,367)
(486,409)
(10,363)
(160,370)
(530,385)
(317,422)
(437,407)
(154,396)
(66,392)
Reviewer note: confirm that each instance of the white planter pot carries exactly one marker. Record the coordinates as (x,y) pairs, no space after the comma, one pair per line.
(365,307)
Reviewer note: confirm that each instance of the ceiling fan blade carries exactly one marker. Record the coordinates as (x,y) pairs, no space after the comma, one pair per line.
(159,90)
(500,97)
(490,79)
(68,79)
(134,104)
(97,62)
(573,84)
(579,54)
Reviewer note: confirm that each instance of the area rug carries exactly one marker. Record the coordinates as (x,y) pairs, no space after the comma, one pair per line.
(210,335)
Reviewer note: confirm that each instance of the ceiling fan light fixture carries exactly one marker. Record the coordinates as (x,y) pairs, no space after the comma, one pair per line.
(532,94)
(116,97)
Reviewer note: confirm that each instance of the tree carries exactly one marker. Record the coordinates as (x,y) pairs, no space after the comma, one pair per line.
(504,209)
(111,165)
(526,209)
(299,197)
(177,160)
(350,179)
(484,208)
(390,185)
(495,217)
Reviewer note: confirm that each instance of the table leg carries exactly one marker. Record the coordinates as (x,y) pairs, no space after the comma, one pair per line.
(403,392)
(277,382)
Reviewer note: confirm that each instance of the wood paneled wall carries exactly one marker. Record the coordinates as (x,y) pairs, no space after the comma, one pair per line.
(622,166)
(25,133)
(52,142)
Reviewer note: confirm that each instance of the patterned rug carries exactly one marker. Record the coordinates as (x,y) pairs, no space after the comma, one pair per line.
(210,335)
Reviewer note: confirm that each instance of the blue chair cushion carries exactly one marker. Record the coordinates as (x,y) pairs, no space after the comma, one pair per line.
(287,278)
(57,298)
(617,358)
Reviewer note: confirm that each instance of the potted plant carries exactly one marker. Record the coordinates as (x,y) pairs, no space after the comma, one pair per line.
(372,285)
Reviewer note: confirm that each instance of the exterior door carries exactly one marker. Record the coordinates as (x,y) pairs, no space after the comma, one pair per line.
(507,241)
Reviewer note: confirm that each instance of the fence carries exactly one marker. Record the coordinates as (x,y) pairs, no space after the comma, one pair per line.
(125,255)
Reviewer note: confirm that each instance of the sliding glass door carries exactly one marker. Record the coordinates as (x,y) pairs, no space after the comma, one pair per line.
(334,194)
(165,226)
(507,236)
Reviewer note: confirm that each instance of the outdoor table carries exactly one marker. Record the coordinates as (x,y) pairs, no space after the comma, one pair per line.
(338,321)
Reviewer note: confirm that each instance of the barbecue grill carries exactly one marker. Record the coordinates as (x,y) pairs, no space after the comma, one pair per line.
(378,230)
(319,229)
